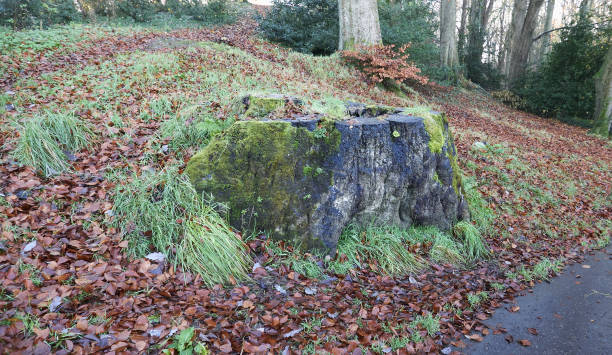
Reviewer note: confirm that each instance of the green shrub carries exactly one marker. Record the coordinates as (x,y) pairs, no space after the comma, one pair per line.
(308,26)
(162,211)
(311,26)
(138,10)
(563,86)
(20,14)
(215,12)
(412,22)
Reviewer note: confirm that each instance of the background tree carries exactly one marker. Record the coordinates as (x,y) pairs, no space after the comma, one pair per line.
(545,45)
(448,39)
(465,6)
(524,21)
(603,98)
(359,24)
(478,20)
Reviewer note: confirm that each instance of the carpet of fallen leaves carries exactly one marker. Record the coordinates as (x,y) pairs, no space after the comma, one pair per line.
(67,287)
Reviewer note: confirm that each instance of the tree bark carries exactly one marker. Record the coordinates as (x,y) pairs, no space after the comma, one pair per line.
(523,27)
(603,98)
(480,12)
(448,41)
(503,40)
(545,45)
(462,27)
(359,24)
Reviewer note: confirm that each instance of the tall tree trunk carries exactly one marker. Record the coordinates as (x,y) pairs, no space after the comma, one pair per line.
(545,45)
(462,27)
(603,97)
(359,23)
(477,25)
(448,41)
(503,40)
(523,38)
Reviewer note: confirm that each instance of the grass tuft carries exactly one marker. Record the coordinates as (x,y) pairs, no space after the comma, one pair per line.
(44,141)
(191,127)
(385,245)
(480,212)
(428,322)
(162,211)
(446,250)
(473,243)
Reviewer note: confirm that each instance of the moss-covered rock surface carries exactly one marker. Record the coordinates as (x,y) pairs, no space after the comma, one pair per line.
(306,179)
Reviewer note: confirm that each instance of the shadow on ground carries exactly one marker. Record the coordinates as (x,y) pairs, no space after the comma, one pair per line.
(571,315)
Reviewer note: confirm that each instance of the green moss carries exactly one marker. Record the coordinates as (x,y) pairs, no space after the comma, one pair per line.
(378,110)
(440,139)
(435,130)
(437,178)
(260,106)
(256,168)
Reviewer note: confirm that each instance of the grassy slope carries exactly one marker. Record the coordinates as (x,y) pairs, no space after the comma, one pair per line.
(548,183)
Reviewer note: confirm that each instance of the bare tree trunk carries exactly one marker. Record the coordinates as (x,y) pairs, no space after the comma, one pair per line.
(477,25)
(359,23)
(522,39)
(503,40)
(603,97)
(448,41)
(464,12)
(545,45)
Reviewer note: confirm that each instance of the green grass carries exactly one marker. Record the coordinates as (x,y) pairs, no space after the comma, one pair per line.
(427,322)
(32,271)
(475,299)
(446,250)
(30,322)
(302,263)
(385,245)
(162,210)
(480,213)
(44,138)
(542,269)
(473,243)
(192,126)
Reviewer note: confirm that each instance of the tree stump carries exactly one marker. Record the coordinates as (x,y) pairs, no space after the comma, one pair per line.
(307,178)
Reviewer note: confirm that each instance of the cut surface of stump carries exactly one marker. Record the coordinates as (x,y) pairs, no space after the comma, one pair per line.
(305,179)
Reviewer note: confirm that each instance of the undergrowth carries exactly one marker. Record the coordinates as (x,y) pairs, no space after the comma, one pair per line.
(191,127)
(46,141)
(385,245)
(162,210)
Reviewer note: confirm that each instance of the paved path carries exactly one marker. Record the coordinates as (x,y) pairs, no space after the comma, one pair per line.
(572,314)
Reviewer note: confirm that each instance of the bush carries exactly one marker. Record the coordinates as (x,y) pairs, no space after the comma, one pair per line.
(563,87)
(139,10)
(20,14)
(308,26)
(311,26)
(414,23)
(215,12)
(382,63)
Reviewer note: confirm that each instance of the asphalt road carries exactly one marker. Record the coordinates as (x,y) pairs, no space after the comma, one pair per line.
(572,314)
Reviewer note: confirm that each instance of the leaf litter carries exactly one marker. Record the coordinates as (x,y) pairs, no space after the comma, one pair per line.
(67,286)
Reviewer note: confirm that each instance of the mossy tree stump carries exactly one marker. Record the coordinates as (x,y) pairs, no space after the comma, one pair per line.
(306,179)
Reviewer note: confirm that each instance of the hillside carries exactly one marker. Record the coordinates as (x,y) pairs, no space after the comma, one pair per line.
(151,98)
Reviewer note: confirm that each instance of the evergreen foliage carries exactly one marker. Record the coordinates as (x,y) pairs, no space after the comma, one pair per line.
(564,87)
(311,26)
(19,14)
